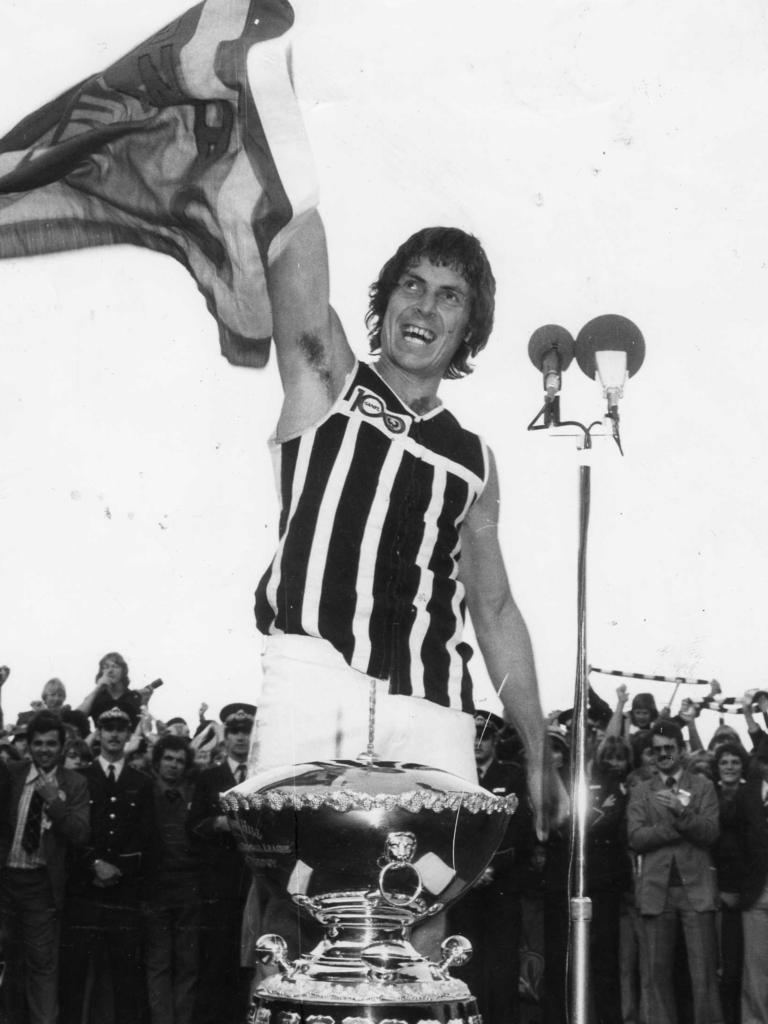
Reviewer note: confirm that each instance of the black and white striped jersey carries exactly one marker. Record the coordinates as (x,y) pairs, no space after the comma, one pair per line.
(372,499)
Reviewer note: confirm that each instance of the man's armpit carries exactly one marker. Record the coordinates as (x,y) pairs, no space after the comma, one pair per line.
(315,354)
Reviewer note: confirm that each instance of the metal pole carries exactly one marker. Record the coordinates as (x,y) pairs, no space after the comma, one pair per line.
(580,905)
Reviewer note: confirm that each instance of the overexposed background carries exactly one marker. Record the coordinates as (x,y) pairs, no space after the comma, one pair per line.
(612,157)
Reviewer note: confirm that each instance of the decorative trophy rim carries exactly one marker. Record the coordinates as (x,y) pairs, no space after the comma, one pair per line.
(414,801)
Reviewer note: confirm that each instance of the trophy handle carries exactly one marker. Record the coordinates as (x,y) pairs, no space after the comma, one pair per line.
(394,897)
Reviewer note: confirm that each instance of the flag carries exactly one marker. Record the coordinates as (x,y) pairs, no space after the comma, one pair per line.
(191,145)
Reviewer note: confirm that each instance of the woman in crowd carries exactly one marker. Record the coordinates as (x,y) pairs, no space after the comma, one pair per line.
(112,689)
(730,771)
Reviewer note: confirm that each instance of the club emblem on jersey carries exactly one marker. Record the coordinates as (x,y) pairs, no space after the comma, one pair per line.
(373,407)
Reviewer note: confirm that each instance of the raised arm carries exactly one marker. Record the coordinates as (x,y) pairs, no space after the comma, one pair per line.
(505,644)
(313,355)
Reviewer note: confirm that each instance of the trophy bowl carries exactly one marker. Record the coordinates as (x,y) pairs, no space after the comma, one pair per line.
(379,839)
(368,848)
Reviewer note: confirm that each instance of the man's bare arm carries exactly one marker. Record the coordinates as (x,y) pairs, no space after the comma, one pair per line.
(506,646)
(313,355)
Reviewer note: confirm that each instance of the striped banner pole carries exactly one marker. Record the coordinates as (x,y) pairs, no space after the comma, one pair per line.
(679,680)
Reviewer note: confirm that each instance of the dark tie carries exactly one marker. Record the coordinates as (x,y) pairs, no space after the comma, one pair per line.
(111,775)
(172,795)
(240,774)
(30,839)
(671,783)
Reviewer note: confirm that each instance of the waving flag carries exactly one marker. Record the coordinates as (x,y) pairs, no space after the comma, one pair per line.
(191,145)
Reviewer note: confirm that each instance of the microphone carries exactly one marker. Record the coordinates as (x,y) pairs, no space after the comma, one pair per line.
(551,351)
(612,348)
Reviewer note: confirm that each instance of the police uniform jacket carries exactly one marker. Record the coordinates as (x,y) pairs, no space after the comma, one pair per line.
(224,873)
(122,824)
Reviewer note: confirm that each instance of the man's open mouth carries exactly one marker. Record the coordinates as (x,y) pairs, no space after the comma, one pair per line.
(418,334)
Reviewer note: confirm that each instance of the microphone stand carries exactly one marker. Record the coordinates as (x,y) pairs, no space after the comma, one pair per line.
(580,906)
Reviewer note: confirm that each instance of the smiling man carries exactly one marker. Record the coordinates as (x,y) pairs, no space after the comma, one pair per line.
(672,822)
(48,821)
(388,526)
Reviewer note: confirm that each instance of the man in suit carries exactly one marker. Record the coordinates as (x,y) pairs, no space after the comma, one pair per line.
(223,985)
(102,913)
(47,819)
(752,810)
(672,823)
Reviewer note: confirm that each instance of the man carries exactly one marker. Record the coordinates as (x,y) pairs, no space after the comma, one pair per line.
(672,823)
(102,913)
(490,914)
(752,805)
(48,820)
(223,986)
(171,898)
(389,520)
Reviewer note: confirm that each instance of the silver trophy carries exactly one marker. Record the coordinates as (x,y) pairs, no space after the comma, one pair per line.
(369,849)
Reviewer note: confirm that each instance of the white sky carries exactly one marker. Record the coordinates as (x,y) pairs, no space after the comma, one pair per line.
(612,157)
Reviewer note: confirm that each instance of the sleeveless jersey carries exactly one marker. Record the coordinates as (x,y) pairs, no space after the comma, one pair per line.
(372,499)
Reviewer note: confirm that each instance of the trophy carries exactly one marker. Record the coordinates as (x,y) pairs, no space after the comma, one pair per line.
(368,848)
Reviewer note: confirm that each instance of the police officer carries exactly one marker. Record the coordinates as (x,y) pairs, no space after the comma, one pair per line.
(223,986)
(490,914)
(102,912)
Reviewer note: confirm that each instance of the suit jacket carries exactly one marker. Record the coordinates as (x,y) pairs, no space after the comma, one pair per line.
(69,819)
(658,835)
(122,824)
(753,829)
(225,875)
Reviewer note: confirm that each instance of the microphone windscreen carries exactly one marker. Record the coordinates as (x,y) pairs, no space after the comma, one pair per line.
(548,338)
(609,333)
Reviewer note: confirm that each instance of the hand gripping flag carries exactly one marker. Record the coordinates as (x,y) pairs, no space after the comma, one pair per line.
(191,145)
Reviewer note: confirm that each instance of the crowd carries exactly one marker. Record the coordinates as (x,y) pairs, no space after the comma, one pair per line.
(677,874)
(123,891)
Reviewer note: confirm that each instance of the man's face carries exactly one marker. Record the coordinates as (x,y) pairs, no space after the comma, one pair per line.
(114,736)
(426,319)
(485,745)
(666,754)
(172,766)
(45,748)
(237,741)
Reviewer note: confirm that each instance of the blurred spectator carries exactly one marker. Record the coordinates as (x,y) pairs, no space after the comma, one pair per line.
(223,987)
(102,912)
(76,754)
(672,823)
(48,819)
(609,873)
(4,673)
(54,697)
(172,904)
(8,752)
(19,740)
(753,807)
(490,914)
(177,727)
(730,768)
(112,689)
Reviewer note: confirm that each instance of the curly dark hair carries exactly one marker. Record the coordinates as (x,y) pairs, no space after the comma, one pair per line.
(171,742)
(445,247)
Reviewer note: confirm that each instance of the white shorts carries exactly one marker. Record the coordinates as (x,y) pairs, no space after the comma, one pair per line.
(314,707)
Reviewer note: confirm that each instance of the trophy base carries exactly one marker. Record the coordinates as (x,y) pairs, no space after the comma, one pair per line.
(267,1010)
